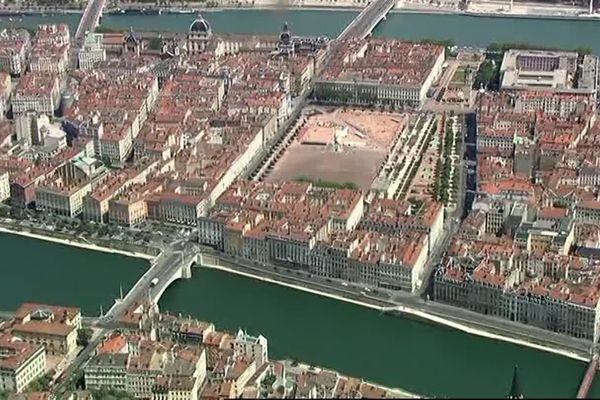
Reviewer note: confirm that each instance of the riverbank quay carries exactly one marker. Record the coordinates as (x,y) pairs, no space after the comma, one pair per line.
(521,10)
(408,306)
(404,305)
(16,11)
(396,393)
(463,30)
(65,238)
(191,9)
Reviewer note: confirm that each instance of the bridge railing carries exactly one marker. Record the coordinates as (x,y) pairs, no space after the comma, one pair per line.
(154,263)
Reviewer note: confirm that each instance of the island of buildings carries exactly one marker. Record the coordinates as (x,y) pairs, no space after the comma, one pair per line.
(380,182)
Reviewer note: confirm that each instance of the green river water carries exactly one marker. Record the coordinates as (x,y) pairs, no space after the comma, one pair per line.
(415,356)
(394,351)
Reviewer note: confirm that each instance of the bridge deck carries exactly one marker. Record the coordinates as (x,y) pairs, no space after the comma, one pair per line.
(367,19)
(90,18)
(170,265)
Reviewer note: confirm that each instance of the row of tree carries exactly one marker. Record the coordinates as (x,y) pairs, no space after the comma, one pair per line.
(327,184)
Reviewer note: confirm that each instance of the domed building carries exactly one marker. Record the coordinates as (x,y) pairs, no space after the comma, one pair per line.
(286,36)
(199,35)
(285,44)
(200,26)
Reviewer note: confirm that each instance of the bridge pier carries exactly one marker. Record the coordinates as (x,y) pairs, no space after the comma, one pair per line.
(186,271)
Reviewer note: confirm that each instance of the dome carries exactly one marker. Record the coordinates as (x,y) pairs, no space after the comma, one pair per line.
(200,25)
(285,35)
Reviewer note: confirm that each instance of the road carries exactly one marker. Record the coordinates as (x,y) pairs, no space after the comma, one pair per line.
(82,358)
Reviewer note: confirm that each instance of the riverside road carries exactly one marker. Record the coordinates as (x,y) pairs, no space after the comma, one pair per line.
(382,298)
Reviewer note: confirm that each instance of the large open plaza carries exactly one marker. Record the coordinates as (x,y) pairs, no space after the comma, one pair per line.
(341,146)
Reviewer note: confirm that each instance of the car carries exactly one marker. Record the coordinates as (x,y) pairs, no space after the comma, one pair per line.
(344,284)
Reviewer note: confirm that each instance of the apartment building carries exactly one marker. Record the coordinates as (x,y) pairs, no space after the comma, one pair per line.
(251,347)
(54,327)
(57,338)
(14,47)
(496,138)
(106,371)
(374,72)
(20,363)
(149,373)
(547,308)
(128,211)
(116,143)
(588,211)
(36,92)
(66,200)
(92,52)
(177,208)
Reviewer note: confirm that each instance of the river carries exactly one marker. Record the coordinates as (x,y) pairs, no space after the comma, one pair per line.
(464,30)
(397,352)
(394,351)
(44,272)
